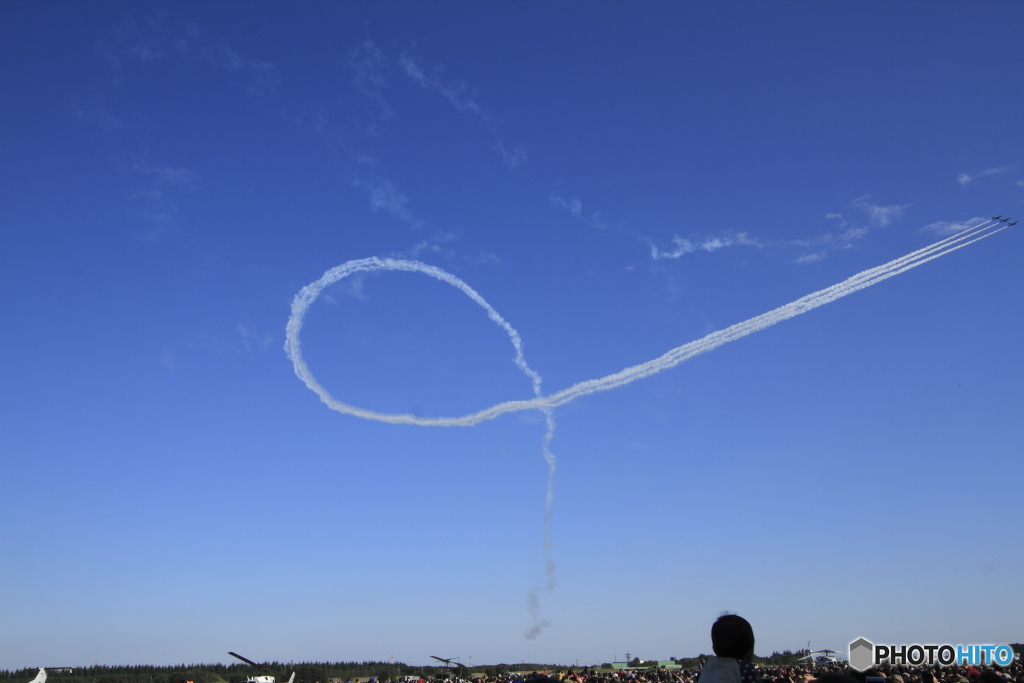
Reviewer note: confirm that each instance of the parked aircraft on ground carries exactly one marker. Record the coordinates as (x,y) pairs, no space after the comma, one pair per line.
(253,679)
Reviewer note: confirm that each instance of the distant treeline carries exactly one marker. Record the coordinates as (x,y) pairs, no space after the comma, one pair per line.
(306,672)
(325,672)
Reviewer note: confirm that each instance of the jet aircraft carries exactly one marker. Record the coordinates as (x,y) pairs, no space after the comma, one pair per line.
(40,677)
(1013,223)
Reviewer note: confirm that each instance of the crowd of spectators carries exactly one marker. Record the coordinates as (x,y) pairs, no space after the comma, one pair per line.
(835,672)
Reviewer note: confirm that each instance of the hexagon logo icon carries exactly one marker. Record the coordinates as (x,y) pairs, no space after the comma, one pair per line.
(861,654)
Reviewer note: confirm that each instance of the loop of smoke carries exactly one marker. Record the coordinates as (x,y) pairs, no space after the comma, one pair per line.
(305,298)
(308,295)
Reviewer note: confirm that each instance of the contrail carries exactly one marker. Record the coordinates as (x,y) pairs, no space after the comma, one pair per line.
(533,597)
(667,360)
(292,346)
(712,341)
(680,354)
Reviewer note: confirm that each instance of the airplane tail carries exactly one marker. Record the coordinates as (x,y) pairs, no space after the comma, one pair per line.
(40,677)
(292,679)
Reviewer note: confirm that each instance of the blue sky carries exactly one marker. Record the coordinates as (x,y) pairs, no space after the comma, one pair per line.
(615,180)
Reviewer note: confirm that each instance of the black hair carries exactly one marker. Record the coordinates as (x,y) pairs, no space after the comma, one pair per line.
(732,636)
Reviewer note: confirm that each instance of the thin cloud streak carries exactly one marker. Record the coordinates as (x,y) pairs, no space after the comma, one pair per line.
(944,228)
(848,230)
(385,196)
(573,206)
(810,258)
(151,42)
(459,93)
(685,246)
(681,245)
(176,177)
(966,179)
(514,156)
(464,98)
(880,215)
(368,66)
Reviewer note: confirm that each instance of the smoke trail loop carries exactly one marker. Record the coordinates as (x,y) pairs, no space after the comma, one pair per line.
(546,404)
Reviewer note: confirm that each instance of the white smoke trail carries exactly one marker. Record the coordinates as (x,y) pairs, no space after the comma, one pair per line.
(667,360)
(308,294)
(292,346)
(533,597)
(712,341)
(546,404)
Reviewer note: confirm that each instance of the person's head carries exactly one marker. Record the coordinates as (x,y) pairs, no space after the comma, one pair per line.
(732,636)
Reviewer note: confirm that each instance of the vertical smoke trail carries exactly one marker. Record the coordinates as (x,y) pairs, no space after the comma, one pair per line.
(533,597)
(305,298)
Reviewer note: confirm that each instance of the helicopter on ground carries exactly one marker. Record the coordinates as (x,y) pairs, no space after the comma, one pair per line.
(253,679)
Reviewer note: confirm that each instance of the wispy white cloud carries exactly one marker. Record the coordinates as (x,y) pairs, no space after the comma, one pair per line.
(426,246)
(88,107)
(414,70)
(850,235)
(848,229)
(354,286)
(385,196)
(880,215)
(441,244)
(147,41)
(369,68)
(743,239)
(683,246)
(156,224)
(264,76)
(155,202)
(1020,183)
(465,98)
(680,246)
(484,257)
(945,228)
(165,177)
(252,341)
(459,93)
(966,179)
(573,205)
(312,118)
(837,217)
(811,258)
(514,156)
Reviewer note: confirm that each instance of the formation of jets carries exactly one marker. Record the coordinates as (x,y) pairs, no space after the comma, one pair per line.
(996,218)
